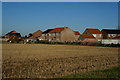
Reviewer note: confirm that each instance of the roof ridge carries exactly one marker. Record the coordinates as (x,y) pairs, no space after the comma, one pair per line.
(94,31)
(92,28)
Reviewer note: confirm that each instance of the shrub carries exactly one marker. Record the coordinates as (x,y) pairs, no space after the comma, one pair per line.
(94,44)
(90,43)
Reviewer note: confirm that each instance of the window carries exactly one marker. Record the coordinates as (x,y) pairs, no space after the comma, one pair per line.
(43,34)
(50,34)
(114,35)
(57,34)
(50,39)
(53,34)
(100,35)
(109,35)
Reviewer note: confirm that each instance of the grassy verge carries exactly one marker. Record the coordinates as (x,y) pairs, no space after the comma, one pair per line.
(107,73)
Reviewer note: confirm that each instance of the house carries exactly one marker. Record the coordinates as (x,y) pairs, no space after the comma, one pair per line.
(59,34)
(35,35)
(95,32)
(62,34)
(45,35)
(87,37)
(12,33)
(77,35)
(111,33)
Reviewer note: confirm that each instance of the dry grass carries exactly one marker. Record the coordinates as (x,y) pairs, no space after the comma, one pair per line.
(48,61)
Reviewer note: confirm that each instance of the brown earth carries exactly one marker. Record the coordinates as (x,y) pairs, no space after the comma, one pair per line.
(48,61)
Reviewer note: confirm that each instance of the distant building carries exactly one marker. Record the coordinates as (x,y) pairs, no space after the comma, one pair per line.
(59,34)
(77,35)
(45,35)
(95,32)
(12,33)
(62,34)
(35,35)
(111,41)
(111,34)
(87,37)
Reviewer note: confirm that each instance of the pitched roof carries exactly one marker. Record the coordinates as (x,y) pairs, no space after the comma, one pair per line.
(117,37)
(87,36)
(36,34)
(77,33)
(111,31)
(47,31)
(57,30)
(11,32)
(94,31)
(32,37)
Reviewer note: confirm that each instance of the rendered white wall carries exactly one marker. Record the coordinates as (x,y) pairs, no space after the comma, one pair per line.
(110,41)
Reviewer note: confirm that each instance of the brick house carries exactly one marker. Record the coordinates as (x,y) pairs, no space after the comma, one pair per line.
(35,35)
(87,37)
(95,32)
(12,33)
(111,34)
(59,34)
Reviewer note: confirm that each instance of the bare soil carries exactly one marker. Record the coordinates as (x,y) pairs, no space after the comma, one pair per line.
(50,61)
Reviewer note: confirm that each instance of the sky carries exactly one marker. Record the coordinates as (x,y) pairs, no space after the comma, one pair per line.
(60,0)
(28,17)
(0,18)
(119,15)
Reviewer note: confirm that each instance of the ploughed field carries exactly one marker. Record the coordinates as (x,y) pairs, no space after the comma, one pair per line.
(50,61)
